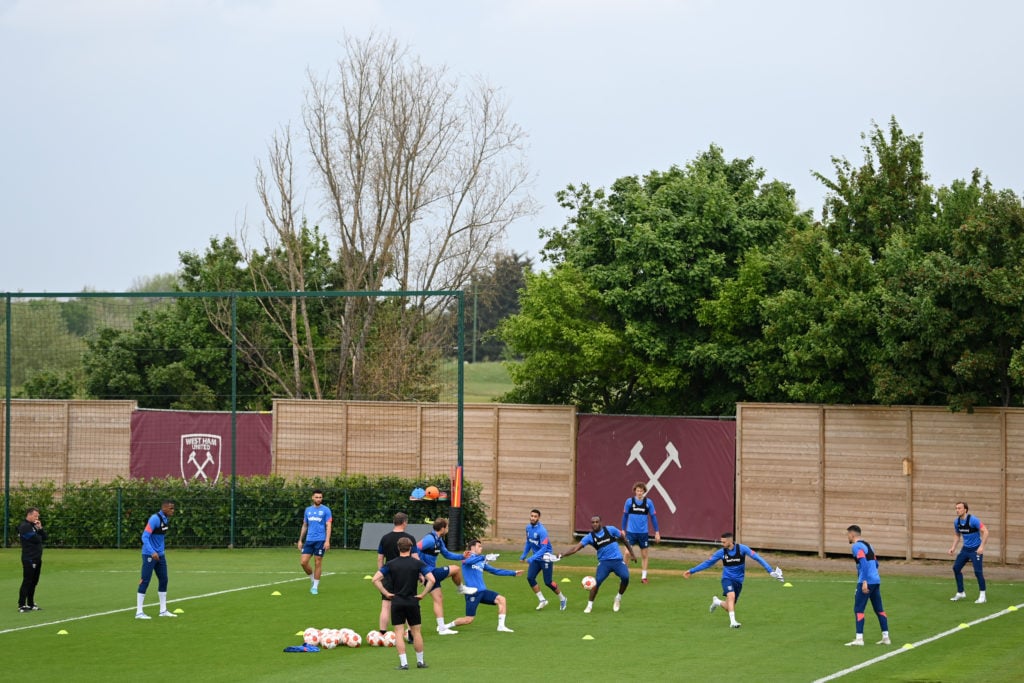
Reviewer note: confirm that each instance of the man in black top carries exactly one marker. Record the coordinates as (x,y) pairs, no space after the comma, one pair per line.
(31,533)
(404,574)
(387,550)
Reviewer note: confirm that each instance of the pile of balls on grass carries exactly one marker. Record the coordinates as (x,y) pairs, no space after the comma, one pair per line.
(330,638)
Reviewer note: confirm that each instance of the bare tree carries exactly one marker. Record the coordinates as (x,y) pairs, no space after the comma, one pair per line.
(419,177)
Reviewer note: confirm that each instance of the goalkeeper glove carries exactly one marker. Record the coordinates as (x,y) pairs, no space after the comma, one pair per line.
(551,557)
(491,557)
(777,574)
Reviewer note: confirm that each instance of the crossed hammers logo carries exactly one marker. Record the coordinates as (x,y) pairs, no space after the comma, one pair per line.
(200,469)
(653,478)
(203,450)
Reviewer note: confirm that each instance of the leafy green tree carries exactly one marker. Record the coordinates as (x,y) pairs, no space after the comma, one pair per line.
(952,303)
(642,259)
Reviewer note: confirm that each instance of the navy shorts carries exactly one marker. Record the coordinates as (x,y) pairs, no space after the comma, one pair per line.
(313,548)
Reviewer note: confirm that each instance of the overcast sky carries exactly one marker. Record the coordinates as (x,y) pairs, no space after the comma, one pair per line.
(131,128)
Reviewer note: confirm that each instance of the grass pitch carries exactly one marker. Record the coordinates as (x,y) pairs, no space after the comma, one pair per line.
(233,628)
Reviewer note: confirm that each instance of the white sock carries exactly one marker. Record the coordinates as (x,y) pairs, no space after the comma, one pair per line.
(714,599)
(885,634)
(732,617)
(859,636)
(982,594)
(501,620)
(316,583)
(590,604)
(440,622)
(419,657)
(618,597)
(163,601)
(540,596)
(643,574)
(403,660)
(139,599)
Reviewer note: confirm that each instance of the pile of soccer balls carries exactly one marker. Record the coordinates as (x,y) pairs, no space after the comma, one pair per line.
(330,638)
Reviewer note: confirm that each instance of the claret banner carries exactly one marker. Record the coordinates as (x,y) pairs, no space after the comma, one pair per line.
(688,465)
(196,446)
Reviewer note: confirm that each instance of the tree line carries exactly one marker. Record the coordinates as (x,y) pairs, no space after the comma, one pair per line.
(686,291)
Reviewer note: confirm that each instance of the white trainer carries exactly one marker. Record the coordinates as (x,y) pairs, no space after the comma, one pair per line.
(446,632)
(505,629)
(958,596)
(165,613)
(563,603)
(542,604)
(884,641)
(616,605)
(714,604)
(981,600)
(466,590)
(142,615)
(736,625)
(588,608)
(855,643)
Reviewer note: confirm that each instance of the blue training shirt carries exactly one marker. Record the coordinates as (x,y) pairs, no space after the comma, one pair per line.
(537,542)
(605,551)
(867,565)
(153,534)
(634,515)
(970,531)
(317,517)
(733,562)
(473,568)
(430,546)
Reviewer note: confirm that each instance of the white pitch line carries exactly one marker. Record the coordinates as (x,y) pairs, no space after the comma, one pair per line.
(901,651)
(129,609)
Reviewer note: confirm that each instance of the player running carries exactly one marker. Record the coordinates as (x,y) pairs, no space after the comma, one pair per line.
(316,528)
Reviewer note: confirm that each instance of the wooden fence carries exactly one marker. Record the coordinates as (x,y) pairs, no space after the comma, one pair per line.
(805,473)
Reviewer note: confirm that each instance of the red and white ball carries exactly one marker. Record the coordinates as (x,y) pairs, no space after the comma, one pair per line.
(390,639)
(353,639)
(311,636)
(330,640)
(374,638)
(588,582)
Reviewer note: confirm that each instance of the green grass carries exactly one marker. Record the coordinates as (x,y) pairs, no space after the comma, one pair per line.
(485,381)
(233,628)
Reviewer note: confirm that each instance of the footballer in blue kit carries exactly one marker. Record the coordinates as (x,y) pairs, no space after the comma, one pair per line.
(537,551)
(154,560)
(428,548)
(474,565)
(733,557)
(974,534)
(634,522)
(869,587)
(605,540)
(316,528)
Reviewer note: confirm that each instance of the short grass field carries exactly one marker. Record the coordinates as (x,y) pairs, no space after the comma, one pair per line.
(233,627)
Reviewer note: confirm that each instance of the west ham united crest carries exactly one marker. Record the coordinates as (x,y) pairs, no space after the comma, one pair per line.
(200,457)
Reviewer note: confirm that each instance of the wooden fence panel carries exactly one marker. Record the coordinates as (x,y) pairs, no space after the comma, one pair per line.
(778,480)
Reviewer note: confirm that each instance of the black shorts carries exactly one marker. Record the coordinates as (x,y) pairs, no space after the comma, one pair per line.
(404,611)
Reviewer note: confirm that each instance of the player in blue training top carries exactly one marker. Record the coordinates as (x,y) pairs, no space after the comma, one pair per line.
(605,540)
(869,586)
(316,527)
(733,556)
(974,534)
(634,523)
(473,567)
(429,547)
(537,551)
(154,560)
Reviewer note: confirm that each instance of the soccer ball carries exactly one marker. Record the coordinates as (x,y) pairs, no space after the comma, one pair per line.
(431,493)
(588,582)
(390,639)
(375,638)
(311,636)
(330,641)
(354,639)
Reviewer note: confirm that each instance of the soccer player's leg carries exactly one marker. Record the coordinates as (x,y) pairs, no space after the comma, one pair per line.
(958,573)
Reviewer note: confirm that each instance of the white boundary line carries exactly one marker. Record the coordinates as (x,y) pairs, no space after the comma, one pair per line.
(904,649)
(131,609)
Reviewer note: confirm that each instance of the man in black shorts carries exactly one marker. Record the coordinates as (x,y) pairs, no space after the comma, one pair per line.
(404,574)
